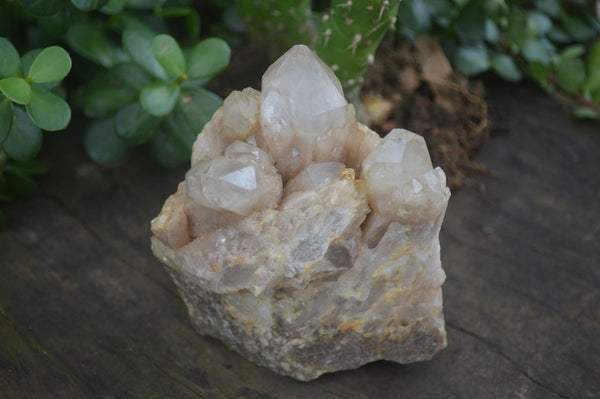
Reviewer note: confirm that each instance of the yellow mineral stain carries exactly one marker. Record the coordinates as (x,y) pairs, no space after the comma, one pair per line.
(348,174)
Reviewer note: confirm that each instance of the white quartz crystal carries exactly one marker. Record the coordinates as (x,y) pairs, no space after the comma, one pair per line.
(300,238)
(299,126)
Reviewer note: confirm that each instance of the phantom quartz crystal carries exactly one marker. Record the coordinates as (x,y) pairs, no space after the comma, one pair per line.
(299,237)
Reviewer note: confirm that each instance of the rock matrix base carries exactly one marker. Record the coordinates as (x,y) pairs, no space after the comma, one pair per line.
(302,239)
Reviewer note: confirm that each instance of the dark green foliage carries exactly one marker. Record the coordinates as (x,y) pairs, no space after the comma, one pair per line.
(546,40)
(130,74)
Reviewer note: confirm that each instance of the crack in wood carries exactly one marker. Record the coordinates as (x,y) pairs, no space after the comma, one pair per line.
(496,349)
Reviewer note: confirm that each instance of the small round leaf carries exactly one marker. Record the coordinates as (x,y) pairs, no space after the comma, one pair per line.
(132,76)
(168,53)
(16,90)
(25,139)
(159,98)
(99,102)
(470,23)
(102,144)
(42,7)
(534,50)
(6,118)
(134,125)
(88,5)
(47,110)
(571,75)
(593,67)
(91,42)
(52,64)
(208,58)
(198,106)
(10,63)
(138,43)
(471,60)
(168,150)
(504,66)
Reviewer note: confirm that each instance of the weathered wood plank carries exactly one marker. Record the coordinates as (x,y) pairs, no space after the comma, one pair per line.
(86,311)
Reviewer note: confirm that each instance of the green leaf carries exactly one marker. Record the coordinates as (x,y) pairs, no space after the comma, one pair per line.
(25,139)
(471,60)
(16,90)
(585,113)
(235,23)
(47,110)
(540,22)
(413,15)
(540,72)
(10,63)
(550,7)
(470,24)
(42,7)
(593,67)
(102,144)
(132,76)
(159,98)
(504,66)
(168,150)
(28,59)
(144,4)
(577,28)
(113,6)
(518,31)
(168,53)
(52,64)
(99,102)
(176,126)
(134,125)
(558,34)
(208,58)
(6,118)
(138,43)
(88,5)
(90,42)
(534,50)
(573,51)
(19,185)
(198,106)
(571,75)
(58,23)
(29,167)
(492,33)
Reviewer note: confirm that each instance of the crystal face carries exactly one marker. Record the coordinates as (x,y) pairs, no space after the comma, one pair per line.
(302,239)
(297,126)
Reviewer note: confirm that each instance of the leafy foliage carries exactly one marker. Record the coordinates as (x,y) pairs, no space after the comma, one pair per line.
(130,75)
(549,41)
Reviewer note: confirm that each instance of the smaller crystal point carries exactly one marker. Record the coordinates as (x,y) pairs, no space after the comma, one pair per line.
(395,161)
(314,176)
(242,181)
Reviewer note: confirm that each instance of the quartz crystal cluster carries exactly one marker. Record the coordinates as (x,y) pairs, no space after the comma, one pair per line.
(302,239)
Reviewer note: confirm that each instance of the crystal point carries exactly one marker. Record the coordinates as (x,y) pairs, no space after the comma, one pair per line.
(328,273)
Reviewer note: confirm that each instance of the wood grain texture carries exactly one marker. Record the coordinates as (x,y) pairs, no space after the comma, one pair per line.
(87,312)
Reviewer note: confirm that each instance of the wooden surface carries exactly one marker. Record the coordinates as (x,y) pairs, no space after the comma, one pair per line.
(87,312)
